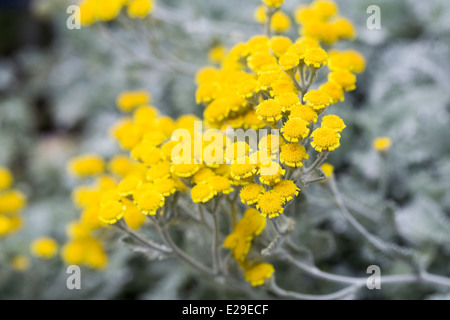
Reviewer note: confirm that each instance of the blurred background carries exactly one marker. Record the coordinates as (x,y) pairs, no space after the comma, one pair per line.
(57,100)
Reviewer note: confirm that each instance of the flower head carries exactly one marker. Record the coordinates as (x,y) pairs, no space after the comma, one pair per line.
(139,9)
(150,201)
(6,178)
(111,211)
(251,193)
(129,100)
(292,155)
(317,99)
(219,184)
(316,57)
(325,139)
(270,204)
(202,193)
(334,122)
(343,78)
(44,247)
(295,129)
(287,189)
(86,165)
(304,112)
(382,143)
(258,272)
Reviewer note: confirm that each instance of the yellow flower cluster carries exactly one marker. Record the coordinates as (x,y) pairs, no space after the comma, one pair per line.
(92,11)
(267,82)
(12,201)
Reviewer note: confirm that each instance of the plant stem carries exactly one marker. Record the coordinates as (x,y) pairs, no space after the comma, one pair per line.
(182,255)
(274,288)
(146,242)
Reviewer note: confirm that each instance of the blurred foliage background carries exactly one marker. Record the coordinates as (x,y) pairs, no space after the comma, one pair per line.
(57,100)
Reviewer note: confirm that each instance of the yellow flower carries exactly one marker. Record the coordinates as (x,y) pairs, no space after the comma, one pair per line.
(317,99)
(344,28)
(344,78)
(20,262)
(202,175)
(288,101)
(316,57)
(279,45)
(107,10)
(139,9)
(325,8)
(271,173)
(327,169)
(304,112)
(260,14)
(6,178)
(334,90)
(150,201)
(127,186)
(111,211)
(166,186)
(382,143)
(240,245)
(288,61)
(334,122)
(242,168)
(325,139)
(144,116)
(12,201)
(44,247)
(219,184)
(9,224)
(269,110)
(132,215)
(218,110)
(147,153)
(292,155)
(287,189)
(251,224)
(85,196)
(86,165)
(184,170)
(127,133)
(87,12)
(121,165)
(217,53)
(351,60)
(129,100)
(158,171)
(251,193)
(202,193)
(295,129)
(90,217)
(273,3)
(258,272)
(280,22)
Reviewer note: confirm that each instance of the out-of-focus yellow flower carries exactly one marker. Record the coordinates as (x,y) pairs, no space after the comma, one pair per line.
(86,165)
(258,272)
(217,53)
(129,100)
(140,9)
(44,247)
(6,178)
(382,143)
